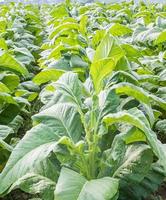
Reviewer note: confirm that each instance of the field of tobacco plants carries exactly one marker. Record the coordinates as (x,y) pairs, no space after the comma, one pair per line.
(83,101)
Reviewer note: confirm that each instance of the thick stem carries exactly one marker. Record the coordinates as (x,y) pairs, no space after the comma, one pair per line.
(92,141)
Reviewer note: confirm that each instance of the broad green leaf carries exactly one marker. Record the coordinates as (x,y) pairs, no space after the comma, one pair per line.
(11,81)
(108,48)
(59,11)
(100,189)
(113,158)
(8,62)
(56,52)
(99,70)
(83,24)
(161,38)
(7,98)
(90,53)
(160,126)
(98,37)
(7,116)
(16,123)
(132,90)
(36,184)
(135,164)
(3,26)
(30,96)
(5,131)
(66,26)
(143,35)
(47,75)
(23,55)
(122,76)
(31,154)
(146,187)
(119,30)
(107,54)
(3,44)
(70,86)
(69,185)
(131,51)
(158,101)
(77,62)
(63,119)
(136,118)
(73,186)
(108,102)
(30,86)
(4,88)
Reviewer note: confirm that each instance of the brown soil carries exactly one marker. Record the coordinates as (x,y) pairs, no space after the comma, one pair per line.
(17,195)
(162,191)
(160,194)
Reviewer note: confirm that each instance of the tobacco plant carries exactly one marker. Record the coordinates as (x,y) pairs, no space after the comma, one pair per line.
(88,141)
(102,88)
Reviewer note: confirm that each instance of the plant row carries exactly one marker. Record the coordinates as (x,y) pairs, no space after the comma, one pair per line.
(100,132)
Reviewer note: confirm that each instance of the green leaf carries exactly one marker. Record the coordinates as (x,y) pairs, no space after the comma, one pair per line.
(146,187)
(7,116)
(63,119)
(7,98)
(31,154)
(108,48)
(107,54)
(23,55)
(4,88)
(132,90)
(136,118)
(56,52)
(161,38)
(83,24)
(36,184)
(59,11)
(131,51)
(108,102)
(66,26)
(98,37)
(29,85)
(77,62)
(158,101)
(113,158)
(3,26)
(47,75)
(8,62)
(11,81)
(160,126)
(135,164)
(70,86)
(99,71)
(122,76)
(73,186)
(119,30)
(3,44)
(5,131)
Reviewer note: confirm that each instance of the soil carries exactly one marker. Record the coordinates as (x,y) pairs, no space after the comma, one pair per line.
(17,195)
(160,194)
(162,191)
